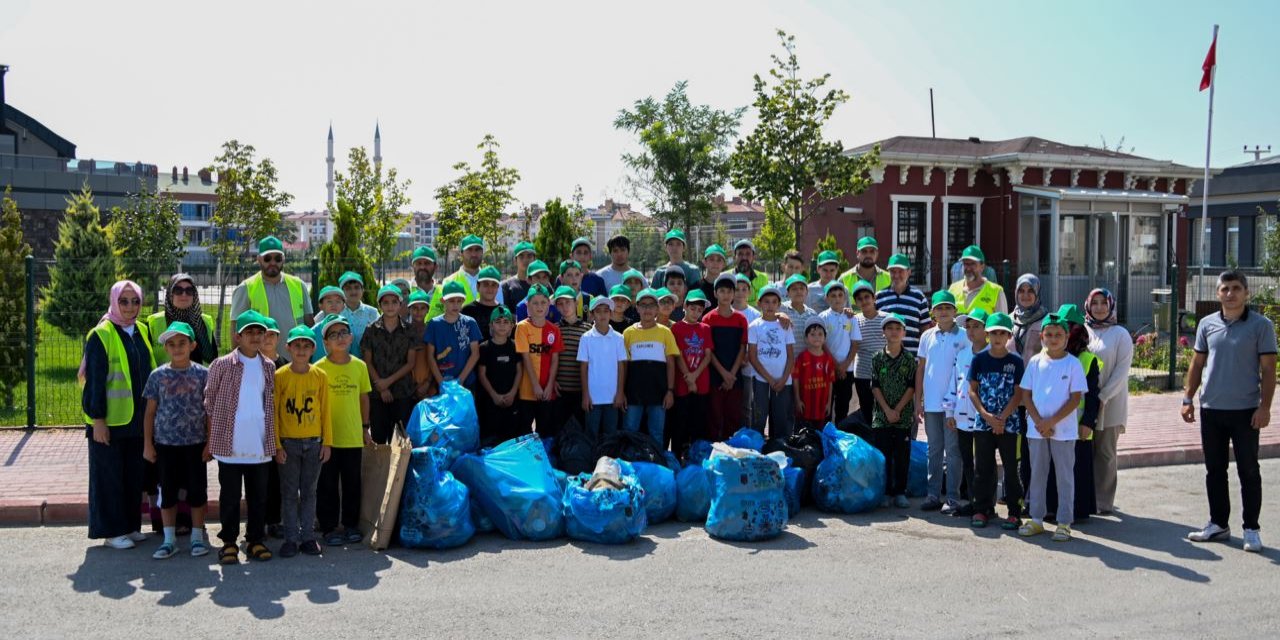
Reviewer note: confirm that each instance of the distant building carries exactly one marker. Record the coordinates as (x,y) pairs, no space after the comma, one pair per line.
(196,195)
(314,227)
(1236,227)
(609,219)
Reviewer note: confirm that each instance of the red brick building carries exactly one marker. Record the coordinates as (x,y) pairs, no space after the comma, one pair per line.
(1078,217)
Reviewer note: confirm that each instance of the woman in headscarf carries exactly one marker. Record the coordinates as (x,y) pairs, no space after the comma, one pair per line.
(1078,345)
(1027,316)
(182,304)
(117,360)
(1114,347)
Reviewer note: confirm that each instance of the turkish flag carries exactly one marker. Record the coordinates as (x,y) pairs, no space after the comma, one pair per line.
(1210,61)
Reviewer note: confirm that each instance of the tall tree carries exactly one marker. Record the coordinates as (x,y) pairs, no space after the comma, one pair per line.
(147,236)
(84,269)
(786,158)
(684,157)
(473,202)
(378,201)
(555,233)
(342,252)
(578,218)
(13,300)
(828,243)
(776,237)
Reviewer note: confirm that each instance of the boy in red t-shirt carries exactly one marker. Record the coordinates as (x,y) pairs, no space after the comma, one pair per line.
(729,354)
(539,345)
(814,373)
(688,416)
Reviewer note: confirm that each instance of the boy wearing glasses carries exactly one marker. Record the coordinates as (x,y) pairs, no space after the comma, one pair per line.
(338,493)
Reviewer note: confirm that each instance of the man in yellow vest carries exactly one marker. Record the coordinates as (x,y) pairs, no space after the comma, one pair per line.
(866,269)
(272,292)
(975,291)
(467,275)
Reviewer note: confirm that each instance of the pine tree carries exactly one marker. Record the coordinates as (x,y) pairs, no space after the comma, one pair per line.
(828,243)
(555,234)
(84,269)
(13,300)
(342,253)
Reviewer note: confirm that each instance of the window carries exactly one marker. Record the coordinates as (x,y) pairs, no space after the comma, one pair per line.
(910,240)
(1264,225)
(1073,245)
(1198,232)
(1233,241)
(962,229)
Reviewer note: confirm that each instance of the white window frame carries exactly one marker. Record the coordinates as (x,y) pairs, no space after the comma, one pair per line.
(928,228)
(946,223)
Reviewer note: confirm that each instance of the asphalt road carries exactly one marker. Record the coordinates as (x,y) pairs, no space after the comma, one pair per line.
(886,574)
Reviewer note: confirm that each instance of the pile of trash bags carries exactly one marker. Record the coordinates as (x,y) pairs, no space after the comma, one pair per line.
(659,484)
(850,479)
(435,511)
(918,470)
(447,421)
(516,487)
(607,505)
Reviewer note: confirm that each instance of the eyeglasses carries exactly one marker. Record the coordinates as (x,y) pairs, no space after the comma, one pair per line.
(129,302)
(272,257)
(184,291)
(340,333)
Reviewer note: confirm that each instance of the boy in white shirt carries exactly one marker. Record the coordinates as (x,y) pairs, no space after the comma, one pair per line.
(770,349)
(957,406)
(843,336)
(937,353)
(602,355)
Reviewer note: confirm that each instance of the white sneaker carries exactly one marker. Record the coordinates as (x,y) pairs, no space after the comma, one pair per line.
(119,542)
(138,536)
(1252,540)
(1209,533)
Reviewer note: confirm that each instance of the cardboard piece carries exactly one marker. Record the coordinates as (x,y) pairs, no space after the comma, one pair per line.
(382,472)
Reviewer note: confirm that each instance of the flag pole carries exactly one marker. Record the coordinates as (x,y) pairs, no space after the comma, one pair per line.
(1204,194)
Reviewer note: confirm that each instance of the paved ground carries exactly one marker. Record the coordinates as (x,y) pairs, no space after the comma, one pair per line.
(889,573)
(44,474)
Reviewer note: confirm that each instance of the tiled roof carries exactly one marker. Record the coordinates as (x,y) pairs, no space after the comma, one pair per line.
(979,149)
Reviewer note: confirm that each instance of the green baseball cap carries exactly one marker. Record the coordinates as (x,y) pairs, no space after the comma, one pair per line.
(1001,322)
(522,247)
(942,297)
(674,234)
(601,301)
(580,241)
(537,290)
(862,285)
(301,332)
(696,296)
(899,261)
(270,244)
(471,241)
(564,291)
(1053,320)
(272,325)
(794,280)
(332,320)
(250,318)
(867,241)
(893,317)
(390,289)
(980,315)
(769,291)
(501,312)
(538,266)
(348,277)
(620,291)
(454,289)
(419,297)
(663,293)
(632,273)
(714,250)
(569,264)
(177,329)
(331,291)
(834,285)
(423,253)
(647,293)
(828,257)
(742,277)
(1071,313)
(489,273)
(744,243)
(972,252)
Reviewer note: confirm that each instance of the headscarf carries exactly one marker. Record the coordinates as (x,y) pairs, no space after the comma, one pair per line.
(192,315)
(113,312)
(1100,323)
(1024,317)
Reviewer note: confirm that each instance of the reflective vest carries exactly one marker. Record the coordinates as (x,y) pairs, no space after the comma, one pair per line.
(1086,360)
(119,382)
(257,294)
(850,279)
(157,324)
(987,299)
(437,300)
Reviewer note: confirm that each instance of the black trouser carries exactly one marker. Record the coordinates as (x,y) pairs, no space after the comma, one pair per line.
(569,405)
(866,400)
(273,494)
(339,489)
(686,422)
(1220,432)
(253,478)
(499,424)
(115,487)
(966,462)
(384,416)
(543,415)
(841,395)
(985,445)
(895,444)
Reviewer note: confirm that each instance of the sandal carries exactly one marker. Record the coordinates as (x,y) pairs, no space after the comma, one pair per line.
(978,521)
(229,554)
(258,551)
(199,548)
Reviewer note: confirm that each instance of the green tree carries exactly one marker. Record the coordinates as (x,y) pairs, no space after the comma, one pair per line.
(578,218)
(776,236)
(555,233)
(84,269)
(646,244)
(473,202)
(342,252)
(378,201)
(828,243)
(786,158)
(13,300)
(147,236)
(684,159)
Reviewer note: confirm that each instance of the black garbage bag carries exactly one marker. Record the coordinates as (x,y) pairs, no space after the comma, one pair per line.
(804,448)
(632,446)
(856,425)
(575,449)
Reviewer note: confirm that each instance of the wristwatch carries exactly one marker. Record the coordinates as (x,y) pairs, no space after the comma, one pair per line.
(1186,402)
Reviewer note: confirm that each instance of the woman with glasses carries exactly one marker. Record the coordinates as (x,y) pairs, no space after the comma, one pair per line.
(182,304)
(117,360)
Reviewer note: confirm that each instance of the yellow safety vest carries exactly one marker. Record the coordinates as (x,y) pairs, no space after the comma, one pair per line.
(157,325)
(119,380)
(851,278)
(437,301)
(256,290)
(987,299)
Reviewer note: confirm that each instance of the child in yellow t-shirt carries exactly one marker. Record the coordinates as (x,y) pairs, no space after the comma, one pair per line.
(349,389)
(304,437)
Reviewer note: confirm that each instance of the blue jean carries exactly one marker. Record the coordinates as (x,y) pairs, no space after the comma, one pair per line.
(653,414)
(299,477)
(944,452)
(602,420)
(775,407)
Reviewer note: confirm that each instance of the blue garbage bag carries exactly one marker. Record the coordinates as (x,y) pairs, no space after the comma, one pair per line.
(481,521)
(516,487)
(447,420)
(747,499)
(659,485)
(850,478)
(605,515)
(793,487)
(435,510)
(918,470)
(746,438)
(693,493)
(698,453)
(672,462)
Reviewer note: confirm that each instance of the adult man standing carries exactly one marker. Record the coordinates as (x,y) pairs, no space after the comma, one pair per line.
(582,252)
(468,273)
(744,256)
(512,290)
(828,267)
(272,292)
(975,291)
(905,300)
(866,269)
(619,254)
(1235,355)
(675,244)
(424,270)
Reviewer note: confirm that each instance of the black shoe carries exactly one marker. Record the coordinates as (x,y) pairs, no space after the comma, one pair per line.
(965,511)
(310,547)
(288,549)
(276,531)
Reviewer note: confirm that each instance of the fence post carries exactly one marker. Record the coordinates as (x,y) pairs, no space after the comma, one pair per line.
(31,342)
(1173,330)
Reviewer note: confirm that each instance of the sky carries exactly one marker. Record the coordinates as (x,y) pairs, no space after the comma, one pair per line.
(168,82)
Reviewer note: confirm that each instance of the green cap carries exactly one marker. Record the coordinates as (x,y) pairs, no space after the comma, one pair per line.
(862,285)
(332,320)
(501,312)
(537,290)
(270,244)
(647,293)
(620,291)
(601,301)
(696,296)
(564,291)
(899,261)
(569,264)
(402,283)
(867,241)
(769,291)
(892,317)
(980,315)
(454,289)
(834,285)
(301,332)
(250,318)
(272,325)
(522,247)
(714,250)
(177,329)
(419,297)
(744,243)
(794,280)
(742,277)
(1053,320)
(632,273)
(489,273)
(1000,322)
(663,293)
(942,297)
(580,241)
(828,257)
(538,266)
(972,252)
(331,291)
(471,241)
(390,289)
(348,277)
(674,234)
(423,253)
(1071,313)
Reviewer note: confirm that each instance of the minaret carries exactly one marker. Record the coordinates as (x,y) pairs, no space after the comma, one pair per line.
(377,146)
(329,160)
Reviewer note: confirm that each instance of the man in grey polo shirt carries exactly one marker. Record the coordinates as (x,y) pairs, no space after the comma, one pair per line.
(1235,349)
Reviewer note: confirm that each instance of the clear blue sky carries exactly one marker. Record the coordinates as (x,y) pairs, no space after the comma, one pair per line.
(167,82)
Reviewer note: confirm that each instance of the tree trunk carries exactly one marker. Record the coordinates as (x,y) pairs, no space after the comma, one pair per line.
(222,294)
